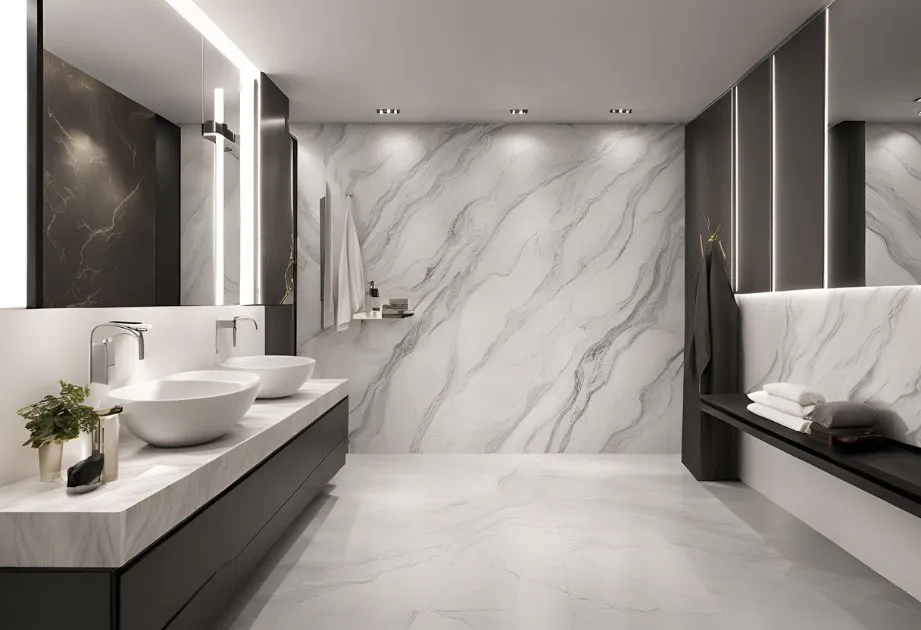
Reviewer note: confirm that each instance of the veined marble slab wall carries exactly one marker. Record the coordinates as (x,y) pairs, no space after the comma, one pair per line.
(546,266)
(893,204)
(197,251)
(100,192)
(853,344)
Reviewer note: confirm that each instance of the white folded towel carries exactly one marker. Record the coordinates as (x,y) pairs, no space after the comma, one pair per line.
(781,418)
(797,393)
(782,404)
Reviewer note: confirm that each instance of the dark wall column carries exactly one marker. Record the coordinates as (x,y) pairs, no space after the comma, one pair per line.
(847,210)
(707,445)
(277,218)
(277,228)
(800,160)
(167,139)
(754,181)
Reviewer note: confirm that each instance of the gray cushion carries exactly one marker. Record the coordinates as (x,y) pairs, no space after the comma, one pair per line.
(841,415)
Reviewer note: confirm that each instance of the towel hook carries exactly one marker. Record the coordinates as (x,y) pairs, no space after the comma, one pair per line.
(348,195)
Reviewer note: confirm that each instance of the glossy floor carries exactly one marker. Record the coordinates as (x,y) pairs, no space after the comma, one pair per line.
(557,542)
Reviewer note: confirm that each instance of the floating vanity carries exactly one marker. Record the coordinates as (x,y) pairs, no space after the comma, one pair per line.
(169,543)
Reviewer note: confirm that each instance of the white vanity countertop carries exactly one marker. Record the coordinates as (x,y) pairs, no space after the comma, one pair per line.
(42,526)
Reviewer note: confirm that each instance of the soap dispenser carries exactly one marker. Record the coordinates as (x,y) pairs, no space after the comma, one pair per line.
(374,300)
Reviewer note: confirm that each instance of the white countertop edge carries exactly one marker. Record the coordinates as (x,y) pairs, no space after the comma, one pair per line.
(42,526)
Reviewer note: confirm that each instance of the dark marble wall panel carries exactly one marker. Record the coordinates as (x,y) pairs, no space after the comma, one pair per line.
(277,204)
(99,206)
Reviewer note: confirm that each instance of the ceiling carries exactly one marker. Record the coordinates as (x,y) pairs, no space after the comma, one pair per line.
(143,49)
(875,73)
(472,60)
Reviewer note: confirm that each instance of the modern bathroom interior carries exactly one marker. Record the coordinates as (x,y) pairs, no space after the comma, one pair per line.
(556,315)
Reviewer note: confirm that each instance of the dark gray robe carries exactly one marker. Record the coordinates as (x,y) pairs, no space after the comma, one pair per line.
(713,341)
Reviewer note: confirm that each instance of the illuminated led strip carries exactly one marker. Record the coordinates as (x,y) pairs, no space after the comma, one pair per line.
(827,256)
(736,214)
(217,197)
(773,173)
(14,172)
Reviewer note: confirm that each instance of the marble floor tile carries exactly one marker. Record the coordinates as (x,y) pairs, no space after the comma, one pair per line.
(556,542)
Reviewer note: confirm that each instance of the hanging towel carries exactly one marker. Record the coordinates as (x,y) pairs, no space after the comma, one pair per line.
(781,418)
(350,285)
(782,404)
(797,393)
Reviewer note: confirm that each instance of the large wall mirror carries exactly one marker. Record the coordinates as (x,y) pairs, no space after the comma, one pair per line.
(141,147)
(875,129)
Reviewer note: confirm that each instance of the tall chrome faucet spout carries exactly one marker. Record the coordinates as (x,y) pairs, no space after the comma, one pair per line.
(99,366)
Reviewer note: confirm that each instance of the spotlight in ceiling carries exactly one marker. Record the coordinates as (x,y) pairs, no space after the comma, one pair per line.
(388,111)
(918,100)
(621,110)
(515,111)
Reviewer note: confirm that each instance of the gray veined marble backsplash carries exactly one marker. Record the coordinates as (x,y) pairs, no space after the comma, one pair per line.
(546,264)
(893,204)
(853,344)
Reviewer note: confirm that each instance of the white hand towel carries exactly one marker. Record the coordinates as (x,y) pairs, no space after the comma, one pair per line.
(782,404)
(781,418)
(797,393)
(351,282)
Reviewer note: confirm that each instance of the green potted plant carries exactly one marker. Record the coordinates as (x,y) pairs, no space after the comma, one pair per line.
(54,420)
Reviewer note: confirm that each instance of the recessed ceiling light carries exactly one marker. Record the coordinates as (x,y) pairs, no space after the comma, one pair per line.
(517,112)
(621,110)
(388,111)
(918,100)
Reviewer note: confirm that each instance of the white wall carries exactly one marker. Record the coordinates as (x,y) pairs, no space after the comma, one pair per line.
(853,344)
(878,534)
(547,266)
(39,347)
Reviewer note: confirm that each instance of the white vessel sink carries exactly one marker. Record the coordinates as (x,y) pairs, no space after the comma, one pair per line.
(279,375)
(187,408)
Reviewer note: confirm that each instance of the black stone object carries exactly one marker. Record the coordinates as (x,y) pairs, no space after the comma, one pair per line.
(86,472)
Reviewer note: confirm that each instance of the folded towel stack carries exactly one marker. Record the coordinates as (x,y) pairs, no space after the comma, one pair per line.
(786,404)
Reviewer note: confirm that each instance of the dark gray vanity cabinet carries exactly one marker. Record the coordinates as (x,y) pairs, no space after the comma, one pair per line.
(187,579)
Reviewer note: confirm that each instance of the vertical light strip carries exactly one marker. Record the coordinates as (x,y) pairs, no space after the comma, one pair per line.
(827,254)
(258,199)
(247,189)
(736,241)
(773,173)
(217,196)
(14,171)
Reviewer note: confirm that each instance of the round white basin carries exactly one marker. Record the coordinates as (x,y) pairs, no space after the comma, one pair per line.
(279,375)
(184,410)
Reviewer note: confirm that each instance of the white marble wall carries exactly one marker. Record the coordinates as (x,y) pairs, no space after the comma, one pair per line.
(853,344)
(893,204)
(546,263)
(197,220)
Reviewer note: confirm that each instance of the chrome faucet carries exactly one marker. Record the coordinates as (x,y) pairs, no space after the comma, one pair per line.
(231,323)
(100,361)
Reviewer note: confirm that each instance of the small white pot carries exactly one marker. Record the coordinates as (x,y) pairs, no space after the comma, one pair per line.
(49,461)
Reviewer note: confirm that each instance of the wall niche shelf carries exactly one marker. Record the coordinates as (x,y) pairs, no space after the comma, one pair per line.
(367,317)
